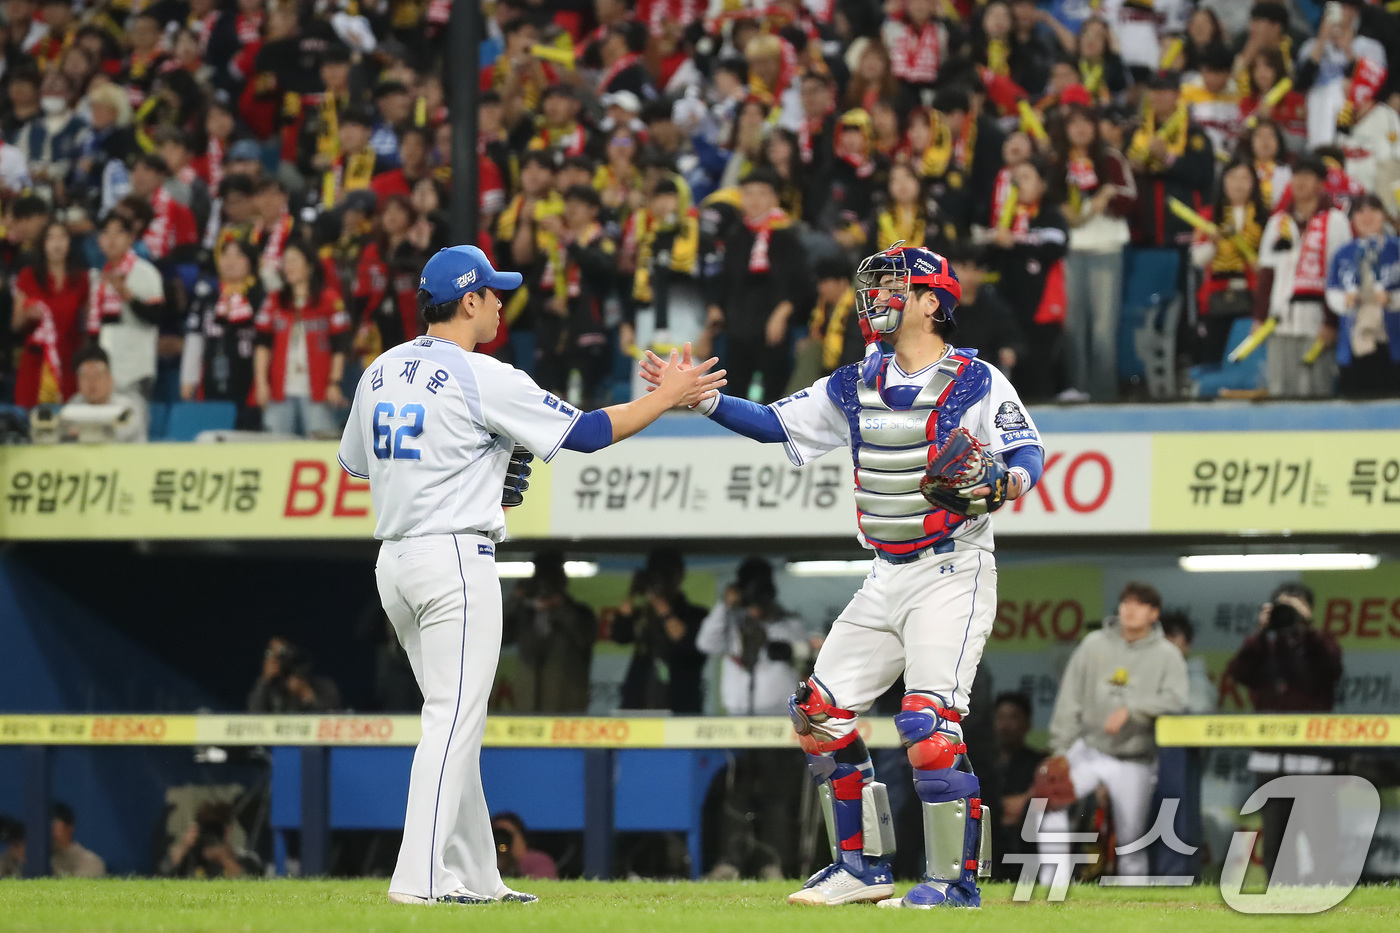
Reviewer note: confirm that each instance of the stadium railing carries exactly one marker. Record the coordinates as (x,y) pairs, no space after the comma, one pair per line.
(309,783)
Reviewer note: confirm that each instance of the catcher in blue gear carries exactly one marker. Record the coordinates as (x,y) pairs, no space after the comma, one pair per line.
(940,440)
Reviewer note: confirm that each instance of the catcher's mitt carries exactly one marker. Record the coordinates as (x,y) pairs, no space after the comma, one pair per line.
(517,477)
(957,468)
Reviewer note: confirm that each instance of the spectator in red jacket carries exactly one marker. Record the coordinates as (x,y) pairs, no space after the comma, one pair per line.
(172,234)
(303,335)
(50,314)
(386,280)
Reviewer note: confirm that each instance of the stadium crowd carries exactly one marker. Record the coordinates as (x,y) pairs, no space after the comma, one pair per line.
(231,201)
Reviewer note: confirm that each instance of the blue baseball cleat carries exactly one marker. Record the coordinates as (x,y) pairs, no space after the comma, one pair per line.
(931,894)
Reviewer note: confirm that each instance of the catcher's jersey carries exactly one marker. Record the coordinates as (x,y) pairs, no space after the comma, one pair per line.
(432,427)
(891,430)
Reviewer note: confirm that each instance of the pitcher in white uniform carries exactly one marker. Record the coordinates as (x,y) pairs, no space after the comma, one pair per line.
(928,604)
(432,427)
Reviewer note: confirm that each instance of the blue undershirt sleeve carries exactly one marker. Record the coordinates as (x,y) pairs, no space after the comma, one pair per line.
(592,431)
(1030,458)
(759,422)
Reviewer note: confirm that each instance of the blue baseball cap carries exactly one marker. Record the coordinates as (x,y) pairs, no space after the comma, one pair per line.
(456,270)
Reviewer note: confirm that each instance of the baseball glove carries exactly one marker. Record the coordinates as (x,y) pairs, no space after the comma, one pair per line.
(517,477)
(956,469)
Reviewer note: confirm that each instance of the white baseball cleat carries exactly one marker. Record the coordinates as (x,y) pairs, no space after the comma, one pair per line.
(837,885)
(397,898)
(463,896)
(518,897)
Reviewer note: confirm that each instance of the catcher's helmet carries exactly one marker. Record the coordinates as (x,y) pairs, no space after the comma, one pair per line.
(883,282)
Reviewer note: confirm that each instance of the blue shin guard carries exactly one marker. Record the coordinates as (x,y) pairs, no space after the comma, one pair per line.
(950,794)
(857,815)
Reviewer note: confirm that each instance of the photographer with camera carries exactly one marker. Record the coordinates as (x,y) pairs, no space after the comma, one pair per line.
(514,857)
(762,645)
(206,849)
(764,650)
(555,634)
(1288,666)
(666,667)
(289,685)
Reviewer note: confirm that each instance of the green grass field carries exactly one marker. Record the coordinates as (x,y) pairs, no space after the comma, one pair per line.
(303,906)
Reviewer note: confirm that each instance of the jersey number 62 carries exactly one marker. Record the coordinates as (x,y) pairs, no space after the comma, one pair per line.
(392,443)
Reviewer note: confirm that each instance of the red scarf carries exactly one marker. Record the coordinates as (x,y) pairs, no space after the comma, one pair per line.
(1310,279)
(276,238)
(1001,190)
(107,301)
(160,233)
(138,64)
(249,28)
(916,56)
(202,29)
(762,230)
(864,169)
(45,337)
(631,58)
(963,147)
(1080,174)
(806,131)
(233,305)
(1021,225)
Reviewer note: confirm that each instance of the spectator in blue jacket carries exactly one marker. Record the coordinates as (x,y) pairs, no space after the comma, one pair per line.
(1363,290)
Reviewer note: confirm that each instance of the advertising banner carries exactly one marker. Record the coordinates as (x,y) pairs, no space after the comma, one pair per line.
(707,487)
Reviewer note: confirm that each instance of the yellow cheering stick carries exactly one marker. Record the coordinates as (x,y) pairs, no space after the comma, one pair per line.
(1205,226)
(1030,122)
(1314,352)
(564,58)
(1271,99)
(1172,55)
(1008,210)
(1252,342)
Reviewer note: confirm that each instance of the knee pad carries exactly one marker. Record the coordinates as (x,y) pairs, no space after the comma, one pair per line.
(931,732)
(821,725)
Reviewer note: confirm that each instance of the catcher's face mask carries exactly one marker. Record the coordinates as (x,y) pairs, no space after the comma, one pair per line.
(882,289)
(883,282)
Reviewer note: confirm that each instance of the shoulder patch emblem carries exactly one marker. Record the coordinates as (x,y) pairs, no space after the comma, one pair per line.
(1009,417)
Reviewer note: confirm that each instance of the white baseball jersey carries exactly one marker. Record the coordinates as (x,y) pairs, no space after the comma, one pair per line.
(816,425)
(432,427)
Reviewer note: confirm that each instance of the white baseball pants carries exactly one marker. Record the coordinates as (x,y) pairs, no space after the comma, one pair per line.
(1129,785)
(928,620)
(443,597)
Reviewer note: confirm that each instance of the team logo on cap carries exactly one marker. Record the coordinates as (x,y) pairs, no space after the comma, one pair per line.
(466,278)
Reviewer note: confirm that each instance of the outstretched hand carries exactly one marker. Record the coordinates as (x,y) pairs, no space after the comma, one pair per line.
(680,379)
(653,366)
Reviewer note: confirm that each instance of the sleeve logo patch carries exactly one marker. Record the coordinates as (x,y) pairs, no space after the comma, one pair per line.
(1025,434)
(1010,417)
(562,407)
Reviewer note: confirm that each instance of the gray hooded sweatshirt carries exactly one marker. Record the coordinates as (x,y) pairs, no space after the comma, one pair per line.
(1105,672)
